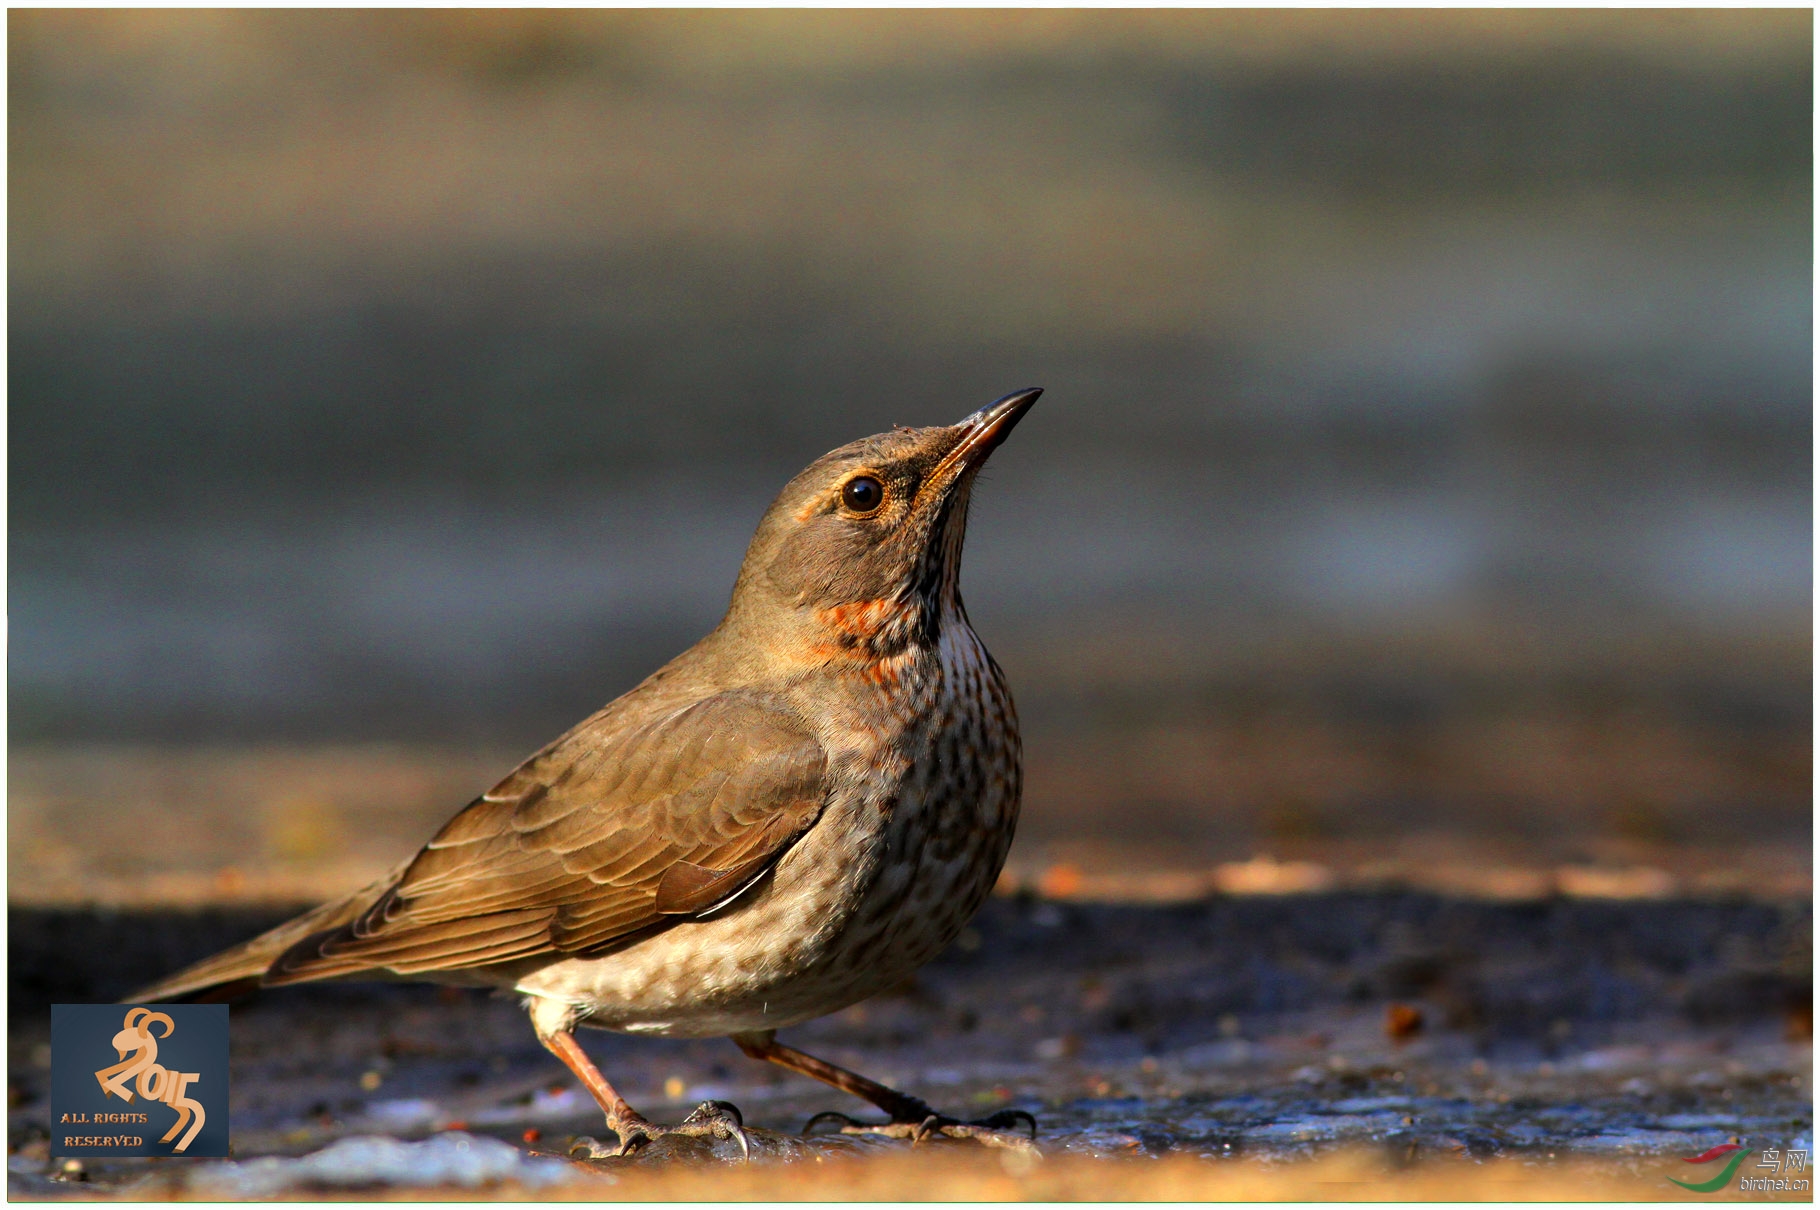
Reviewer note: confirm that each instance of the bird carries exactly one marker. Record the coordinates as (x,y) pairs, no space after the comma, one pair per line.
(794,814)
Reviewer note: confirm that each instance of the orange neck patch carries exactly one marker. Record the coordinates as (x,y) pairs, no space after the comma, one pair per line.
(865,632)
(864,620)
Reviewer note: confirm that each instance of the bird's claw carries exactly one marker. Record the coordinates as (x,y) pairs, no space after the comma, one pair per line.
(832,1115)
(990,1131)
(718,1120)
(587,1147)
(1006,1118)
(711,1119)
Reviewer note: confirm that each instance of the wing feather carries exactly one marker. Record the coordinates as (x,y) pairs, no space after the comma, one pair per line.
(606,834)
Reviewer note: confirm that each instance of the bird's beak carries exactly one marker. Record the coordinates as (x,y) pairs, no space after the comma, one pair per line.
(983,431)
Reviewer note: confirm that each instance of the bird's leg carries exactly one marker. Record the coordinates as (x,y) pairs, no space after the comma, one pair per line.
(623,1120)
(911,1117)
(717,1119)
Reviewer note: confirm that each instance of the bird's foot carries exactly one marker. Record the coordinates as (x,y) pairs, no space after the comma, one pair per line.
(715,1121)
(992,1131)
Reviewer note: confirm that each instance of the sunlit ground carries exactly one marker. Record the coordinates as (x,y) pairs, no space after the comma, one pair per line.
(956,1175)
(1356,1176)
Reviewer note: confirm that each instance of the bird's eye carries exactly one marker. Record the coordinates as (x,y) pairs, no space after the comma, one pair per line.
(862,494)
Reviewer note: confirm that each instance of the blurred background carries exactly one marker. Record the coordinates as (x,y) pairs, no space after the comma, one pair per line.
(1422,491)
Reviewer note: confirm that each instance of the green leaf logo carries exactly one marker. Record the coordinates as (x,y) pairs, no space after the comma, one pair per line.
(1718,1182)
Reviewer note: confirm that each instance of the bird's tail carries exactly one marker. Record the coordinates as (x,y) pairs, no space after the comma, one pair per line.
(239,970)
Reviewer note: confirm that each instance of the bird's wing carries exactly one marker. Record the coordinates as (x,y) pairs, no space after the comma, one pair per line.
(608,833)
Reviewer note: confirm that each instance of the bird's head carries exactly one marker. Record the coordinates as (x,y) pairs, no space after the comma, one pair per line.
(861,552)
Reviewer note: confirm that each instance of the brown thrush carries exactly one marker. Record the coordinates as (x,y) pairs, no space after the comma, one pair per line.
(788,817)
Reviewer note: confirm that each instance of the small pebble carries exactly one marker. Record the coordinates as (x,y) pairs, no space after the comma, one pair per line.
(1402,1021)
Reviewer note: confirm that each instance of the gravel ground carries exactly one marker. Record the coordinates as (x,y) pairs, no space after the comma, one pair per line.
(1268,1029)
